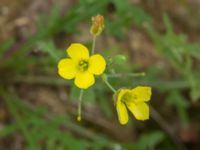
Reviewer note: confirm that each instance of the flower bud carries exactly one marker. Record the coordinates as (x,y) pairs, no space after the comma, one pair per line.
(97,25)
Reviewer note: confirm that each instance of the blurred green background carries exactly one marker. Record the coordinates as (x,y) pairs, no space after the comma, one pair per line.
(38,109)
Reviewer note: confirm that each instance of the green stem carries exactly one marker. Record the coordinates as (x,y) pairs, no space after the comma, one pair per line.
(79,105)
(126,75)
(104,78)
(93,44)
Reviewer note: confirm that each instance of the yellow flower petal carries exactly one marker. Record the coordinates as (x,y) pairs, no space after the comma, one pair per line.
(67,68)
(142,93)
(78,51)
(122,112)
(140,110)
(97,64)
(120,106)
(84,80)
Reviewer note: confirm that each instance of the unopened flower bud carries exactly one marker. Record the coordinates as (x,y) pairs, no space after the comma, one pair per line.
(97,25)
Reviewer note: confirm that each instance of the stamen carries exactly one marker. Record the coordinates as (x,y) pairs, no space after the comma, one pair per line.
(83,65)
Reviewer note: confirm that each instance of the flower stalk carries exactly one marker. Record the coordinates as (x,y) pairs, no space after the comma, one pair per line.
(80,105)
(93,44)
(119,75)
(104,78)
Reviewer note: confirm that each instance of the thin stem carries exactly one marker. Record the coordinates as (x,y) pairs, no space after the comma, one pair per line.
(104,78)
(110,86)
(126,75)
(80,104)
(93,44)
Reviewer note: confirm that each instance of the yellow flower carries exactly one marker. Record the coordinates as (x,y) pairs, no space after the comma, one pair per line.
(80,66)
(134,100)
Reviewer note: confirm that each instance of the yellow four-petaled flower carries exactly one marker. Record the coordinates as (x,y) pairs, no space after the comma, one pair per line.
(134,100)
(80,66)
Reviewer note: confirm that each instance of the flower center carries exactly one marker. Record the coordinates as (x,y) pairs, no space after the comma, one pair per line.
(83,65)
(128,98)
